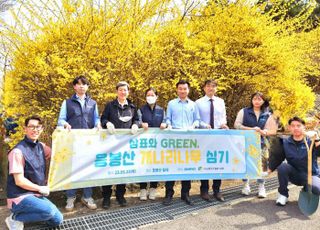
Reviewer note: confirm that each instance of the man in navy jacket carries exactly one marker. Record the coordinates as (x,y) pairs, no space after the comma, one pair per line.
(295,169)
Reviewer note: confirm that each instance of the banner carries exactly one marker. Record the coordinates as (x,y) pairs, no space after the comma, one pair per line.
(88,158)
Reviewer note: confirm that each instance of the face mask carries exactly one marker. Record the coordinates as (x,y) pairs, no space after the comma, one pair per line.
(151,100)
(125,119)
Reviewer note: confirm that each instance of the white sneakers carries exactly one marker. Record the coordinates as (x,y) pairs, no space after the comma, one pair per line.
(246,189)
(89,202)
(262,191)
(70,203)
(143,194)
(152,194)
(13,224)
(282,200)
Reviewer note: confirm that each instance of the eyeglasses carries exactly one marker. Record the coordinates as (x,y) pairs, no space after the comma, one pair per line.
(39,127)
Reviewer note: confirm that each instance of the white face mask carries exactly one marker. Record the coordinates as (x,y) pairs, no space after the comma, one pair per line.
(151,100)
(125,119)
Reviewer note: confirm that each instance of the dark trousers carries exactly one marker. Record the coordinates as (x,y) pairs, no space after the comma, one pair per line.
(204,188)
(152,185)
(107,191)
(185,188)
(288,173)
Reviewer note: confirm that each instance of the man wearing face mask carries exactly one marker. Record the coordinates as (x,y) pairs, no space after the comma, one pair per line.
(151,115)
(119,114)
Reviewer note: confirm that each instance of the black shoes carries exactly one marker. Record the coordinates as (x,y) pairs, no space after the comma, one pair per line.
(218,196)
(106,203)
(187,199)
(167,200)
(122,201)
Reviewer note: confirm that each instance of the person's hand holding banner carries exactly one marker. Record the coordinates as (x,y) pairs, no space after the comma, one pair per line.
(110,128)
(134,129)
(44,190)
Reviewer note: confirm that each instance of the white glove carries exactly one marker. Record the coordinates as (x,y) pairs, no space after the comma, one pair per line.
(44,190)
(194,126)
(134,129)
(110,128)
(311,134)
(169,127)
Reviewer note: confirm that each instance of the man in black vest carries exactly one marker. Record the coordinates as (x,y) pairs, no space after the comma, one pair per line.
(79,112)
(26,184)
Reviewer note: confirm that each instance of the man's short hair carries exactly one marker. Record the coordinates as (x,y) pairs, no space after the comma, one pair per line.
(122,83)
(81,79)
(210,81)
(298,119)
(33,117)
(182,82)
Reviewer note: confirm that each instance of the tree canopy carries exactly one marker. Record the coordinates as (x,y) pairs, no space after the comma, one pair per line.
(156,43)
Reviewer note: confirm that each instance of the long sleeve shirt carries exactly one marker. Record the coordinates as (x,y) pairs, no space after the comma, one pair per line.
(182,114)
(219,117)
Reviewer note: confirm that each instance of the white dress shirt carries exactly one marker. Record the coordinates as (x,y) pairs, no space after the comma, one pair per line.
(220,117)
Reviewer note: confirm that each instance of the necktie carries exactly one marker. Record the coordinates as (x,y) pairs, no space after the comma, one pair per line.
(211,113)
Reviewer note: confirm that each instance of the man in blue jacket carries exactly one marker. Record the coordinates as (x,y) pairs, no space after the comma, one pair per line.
(295,169)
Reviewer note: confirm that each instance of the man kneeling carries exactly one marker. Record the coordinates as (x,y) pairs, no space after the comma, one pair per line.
(295,170)
(26,185)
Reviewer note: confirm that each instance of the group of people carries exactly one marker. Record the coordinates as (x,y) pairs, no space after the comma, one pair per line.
(26,178)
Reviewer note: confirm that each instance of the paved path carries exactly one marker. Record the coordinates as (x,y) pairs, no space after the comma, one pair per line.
(252,213)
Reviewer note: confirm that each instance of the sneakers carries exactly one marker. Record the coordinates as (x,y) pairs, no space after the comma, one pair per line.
(89,202)
(13,224)
(246,189)
(282,200)
(262,191)
(152,193)
(143,194)
(70,203)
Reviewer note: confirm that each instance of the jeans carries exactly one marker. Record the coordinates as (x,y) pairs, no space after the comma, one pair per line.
(37,209)
(288,173)
(87,193)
